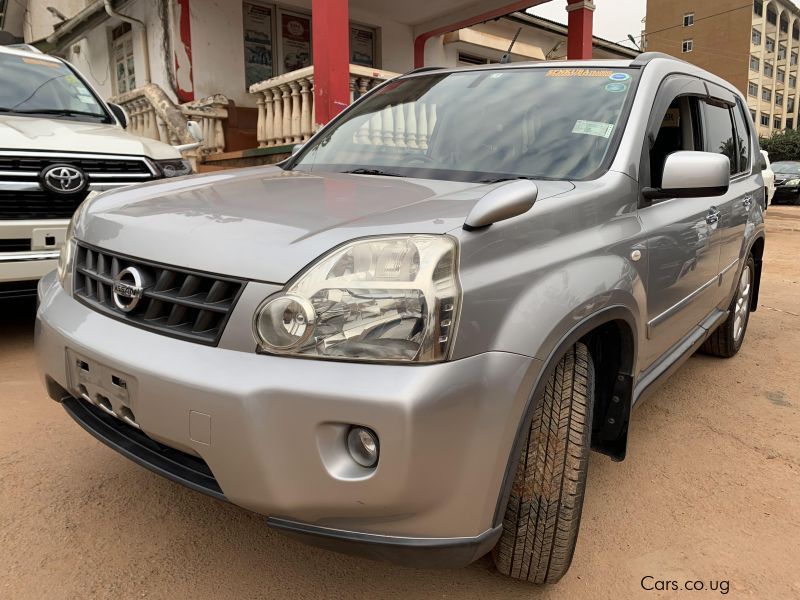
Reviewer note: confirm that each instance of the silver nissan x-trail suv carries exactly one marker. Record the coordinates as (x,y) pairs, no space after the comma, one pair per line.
(405,339)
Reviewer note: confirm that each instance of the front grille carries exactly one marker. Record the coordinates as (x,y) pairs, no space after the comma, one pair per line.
(37,205)
(180,303)
(91,165)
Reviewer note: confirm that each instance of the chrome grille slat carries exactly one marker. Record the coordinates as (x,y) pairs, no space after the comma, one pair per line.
(177,302)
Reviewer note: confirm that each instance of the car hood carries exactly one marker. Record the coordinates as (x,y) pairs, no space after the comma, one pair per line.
(43,134)
(266,224)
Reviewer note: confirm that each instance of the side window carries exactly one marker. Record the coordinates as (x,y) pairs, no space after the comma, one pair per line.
(679,130)
(745,144)
(718,132)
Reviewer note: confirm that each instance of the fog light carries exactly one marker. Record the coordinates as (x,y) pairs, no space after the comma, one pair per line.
(362,443)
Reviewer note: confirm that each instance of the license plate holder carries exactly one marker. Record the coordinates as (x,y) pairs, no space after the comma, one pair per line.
(107,388)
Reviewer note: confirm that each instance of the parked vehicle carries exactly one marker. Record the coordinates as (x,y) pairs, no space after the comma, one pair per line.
(59,144)
(787,182)
(769,178)
(405,339)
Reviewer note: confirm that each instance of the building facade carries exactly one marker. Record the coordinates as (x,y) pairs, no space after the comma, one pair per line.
(753,45)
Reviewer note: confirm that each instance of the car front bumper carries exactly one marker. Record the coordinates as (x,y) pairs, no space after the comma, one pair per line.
(28,250)
(271,431)
(786,194)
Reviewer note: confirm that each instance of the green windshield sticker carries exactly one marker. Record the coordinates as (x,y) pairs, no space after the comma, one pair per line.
(593,128)
(616,87)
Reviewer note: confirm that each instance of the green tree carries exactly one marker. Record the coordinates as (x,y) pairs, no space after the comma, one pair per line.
(782,145)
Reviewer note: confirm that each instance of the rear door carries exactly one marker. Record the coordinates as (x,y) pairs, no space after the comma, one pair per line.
(746,191)
(683,242)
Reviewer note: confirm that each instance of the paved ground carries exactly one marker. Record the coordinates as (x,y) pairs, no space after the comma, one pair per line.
(710,492)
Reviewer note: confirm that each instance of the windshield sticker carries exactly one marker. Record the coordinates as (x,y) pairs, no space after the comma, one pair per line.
(616,87)
(579,73)
(593,128)
(619,77)
(43,63)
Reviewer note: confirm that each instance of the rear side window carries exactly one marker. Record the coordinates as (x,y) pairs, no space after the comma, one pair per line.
(743,135)
(718,132)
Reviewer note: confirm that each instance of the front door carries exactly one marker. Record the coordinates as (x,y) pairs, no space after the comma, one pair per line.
(683,236)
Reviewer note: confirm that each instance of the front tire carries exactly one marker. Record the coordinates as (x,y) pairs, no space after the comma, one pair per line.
(727,339)
(540,527)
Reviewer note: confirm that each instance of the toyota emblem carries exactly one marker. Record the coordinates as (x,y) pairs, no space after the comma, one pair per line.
(63,179)
(127,289)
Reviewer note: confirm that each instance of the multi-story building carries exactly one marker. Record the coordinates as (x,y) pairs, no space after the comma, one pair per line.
(753,45)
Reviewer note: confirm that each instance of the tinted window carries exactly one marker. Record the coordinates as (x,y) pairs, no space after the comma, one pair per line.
(743,133)
(718,132)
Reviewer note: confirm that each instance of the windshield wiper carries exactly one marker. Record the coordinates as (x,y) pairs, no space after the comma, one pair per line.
(501,179)
(372,172)
(55,111)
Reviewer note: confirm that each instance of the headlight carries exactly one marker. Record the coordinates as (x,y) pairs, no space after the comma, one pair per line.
(792,183)
(174,167)
(390,299)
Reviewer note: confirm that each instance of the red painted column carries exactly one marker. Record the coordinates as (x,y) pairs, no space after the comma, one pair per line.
(579,36)
(330,30)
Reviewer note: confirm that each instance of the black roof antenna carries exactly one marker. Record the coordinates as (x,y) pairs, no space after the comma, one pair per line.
(507,56)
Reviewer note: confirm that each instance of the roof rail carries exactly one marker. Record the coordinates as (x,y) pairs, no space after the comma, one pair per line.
(25,47)
(646,57)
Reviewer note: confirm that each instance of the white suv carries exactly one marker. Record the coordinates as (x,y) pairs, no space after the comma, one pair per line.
(59,144)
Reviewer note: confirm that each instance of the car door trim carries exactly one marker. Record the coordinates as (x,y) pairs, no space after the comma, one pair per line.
(675,308)
(734,262)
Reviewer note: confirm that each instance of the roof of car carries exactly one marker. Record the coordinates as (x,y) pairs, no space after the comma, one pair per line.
(22,50)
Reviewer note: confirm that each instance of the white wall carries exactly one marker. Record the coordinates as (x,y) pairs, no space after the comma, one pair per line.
(39,22)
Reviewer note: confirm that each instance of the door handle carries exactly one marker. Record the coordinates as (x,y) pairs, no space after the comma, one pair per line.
(712,216)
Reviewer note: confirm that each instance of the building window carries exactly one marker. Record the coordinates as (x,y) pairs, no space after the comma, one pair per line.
(688,20)
(758,8)
(781,77)
(792,81)
(752,89)
(790,104)
(795,32)
(789,123)
(768,69)
(772,16)
(781,52)
(362,46)
(756,37)
(755,64)
(793,59)
(766,94)
(778,99)
(770,44)
(753,114)
(688,46)
(776,122)
(765,119)
(784,24)
(122,55)
(259,61)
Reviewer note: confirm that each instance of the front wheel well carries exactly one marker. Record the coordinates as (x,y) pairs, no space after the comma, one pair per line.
(612,346)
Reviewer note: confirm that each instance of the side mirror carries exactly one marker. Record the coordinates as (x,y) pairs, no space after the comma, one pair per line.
(194,129)
(505,202)
(692,175)
(119,114)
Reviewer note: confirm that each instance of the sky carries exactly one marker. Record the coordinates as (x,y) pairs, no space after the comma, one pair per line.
(613,19)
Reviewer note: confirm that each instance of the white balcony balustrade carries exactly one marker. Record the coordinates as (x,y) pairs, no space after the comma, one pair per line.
(286,103)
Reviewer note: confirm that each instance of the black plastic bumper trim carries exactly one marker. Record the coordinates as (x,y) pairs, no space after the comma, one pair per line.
(408,551)
(182,468)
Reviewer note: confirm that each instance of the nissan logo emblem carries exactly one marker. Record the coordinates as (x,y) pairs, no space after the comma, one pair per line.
(128,289)
(63,179)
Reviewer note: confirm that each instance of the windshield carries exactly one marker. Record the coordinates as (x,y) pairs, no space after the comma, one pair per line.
(38,86)
(482,125)
(792,168)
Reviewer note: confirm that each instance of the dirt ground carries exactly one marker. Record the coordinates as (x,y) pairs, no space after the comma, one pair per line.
(710,492)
